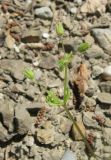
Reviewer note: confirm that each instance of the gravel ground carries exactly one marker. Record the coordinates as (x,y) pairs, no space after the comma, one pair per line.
(29,128)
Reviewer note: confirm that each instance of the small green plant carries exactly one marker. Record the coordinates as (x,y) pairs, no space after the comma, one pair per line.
(83,47)
(28,73)
(53,100)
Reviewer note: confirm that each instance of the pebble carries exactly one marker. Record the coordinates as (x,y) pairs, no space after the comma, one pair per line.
(47,63)
(104,97)
(97,70)
(44,13)
(107,73)
(69,155)
(45,35)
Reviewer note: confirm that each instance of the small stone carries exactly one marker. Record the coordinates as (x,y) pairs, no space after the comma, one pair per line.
(97,70)
(38,74)
(95,52)
(29,141)
(89,122)
(107,73)
(44,13)
(47,62)
(105,86)
(103,36)
(104,97)
(69,155)
(107,136)
(45,35)
(73,10)
(45,136)
(3,134)
(65,125)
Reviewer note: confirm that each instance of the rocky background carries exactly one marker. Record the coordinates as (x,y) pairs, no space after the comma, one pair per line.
(29,128)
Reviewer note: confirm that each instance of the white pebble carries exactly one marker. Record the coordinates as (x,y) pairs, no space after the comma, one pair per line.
(107,70)
(45,35)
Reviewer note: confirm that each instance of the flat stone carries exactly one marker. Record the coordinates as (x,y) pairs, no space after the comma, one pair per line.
(103,36)
(104,97)
(105,86)
(31,36)
(3,134)
(89,122)
(15,67)
(69,155)
(44,13)
(95,52)
(106,75)
(65,125)
(23,121)
(45,136)
(47,62)
(7,113)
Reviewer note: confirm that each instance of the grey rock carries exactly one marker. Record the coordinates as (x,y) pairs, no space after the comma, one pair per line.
(3,134)
(45,136)
(107,136)
(48,62)
(103,36)
(65,125)
(104,97)
(44,13)
(107,73)
(69,155)
(15,67)
(105,86)
(89,122)
(31,36)
(23,120)
(7,113)
(29,141)
(97,70)
(95,52)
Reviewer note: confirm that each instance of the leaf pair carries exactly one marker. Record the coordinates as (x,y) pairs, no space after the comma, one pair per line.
(28,73)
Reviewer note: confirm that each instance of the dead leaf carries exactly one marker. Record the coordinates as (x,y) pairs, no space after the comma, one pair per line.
(92,6)
(10,41)
(81,78)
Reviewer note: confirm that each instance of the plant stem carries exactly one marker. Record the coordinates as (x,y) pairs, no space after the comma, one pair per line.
(70,115)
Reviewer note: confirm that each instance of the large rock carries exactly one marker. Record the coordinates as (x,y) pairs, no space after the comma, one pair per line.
(7,114)
(103,36)
(23,121)
(44,13)
(15,67)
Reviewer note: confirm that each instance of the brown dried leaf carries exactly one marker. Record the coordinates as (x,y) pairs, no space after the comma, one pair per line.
(81,78)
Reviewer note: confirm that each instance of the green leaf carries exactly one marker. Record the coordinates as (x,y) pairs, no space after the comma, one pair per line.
(53,100)
(28,73)
(59,29)
(65,60)
(83,47)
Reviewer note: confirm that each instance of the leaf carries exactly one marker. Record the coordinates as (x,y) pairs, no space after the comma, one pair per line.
(81,78)
(53,100)
(83,47)
(28,73)
(59,29)
(65,60)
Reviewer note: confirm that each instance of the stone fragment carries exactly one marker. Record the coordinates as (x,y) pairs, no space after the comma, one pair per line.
(89,122)
(7,113)
(105,86)
(44,13)
(47,62)
(93,6)
(65,125)
(45,136)
(10,41)
(107,73)
(95,52)
(69,155)
(31,36)
(103,36)
(15,67)
(104,97)
(107,136)
(97,71)
(22,121)
(3,134)
(29,141)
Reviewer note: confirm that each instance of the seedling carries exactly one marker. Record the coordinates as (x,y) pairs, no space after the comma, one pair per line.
(28,73)
(54,100)
(83,47)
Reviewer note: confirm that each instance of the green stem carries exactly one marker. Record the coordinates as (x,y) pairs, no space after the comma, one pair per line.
(70,115)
